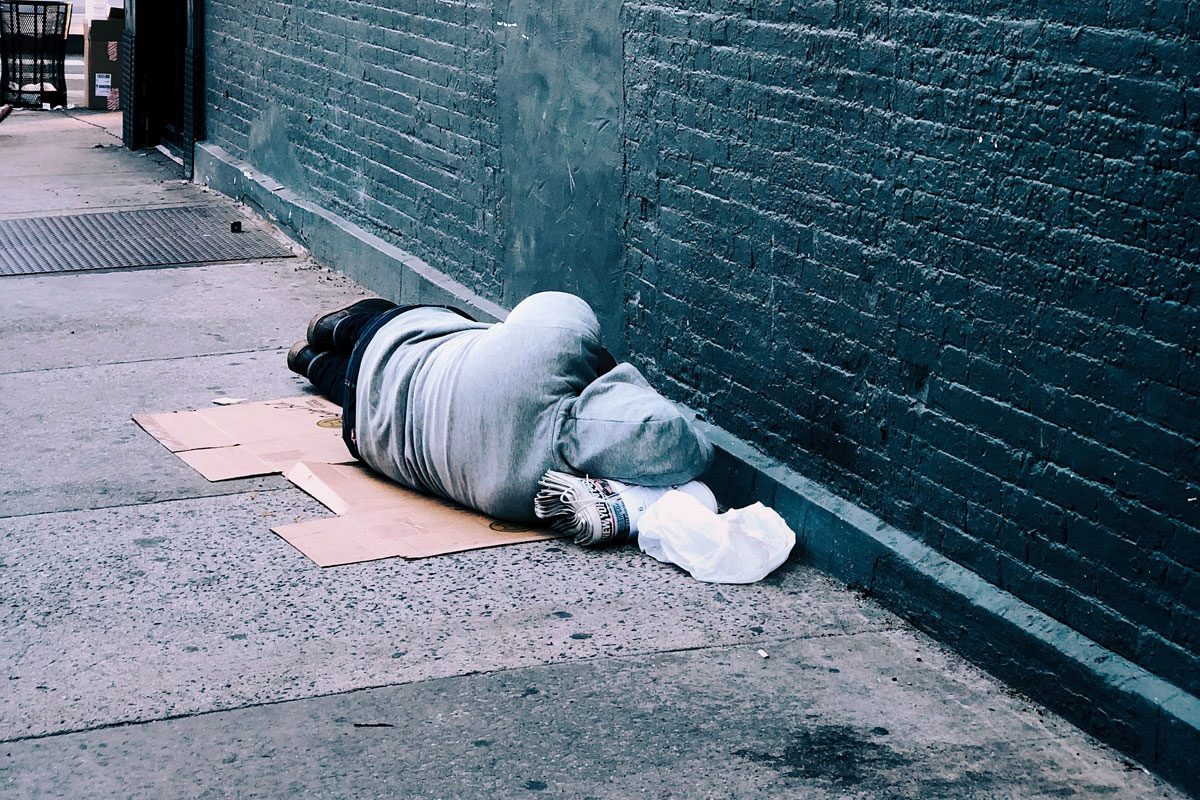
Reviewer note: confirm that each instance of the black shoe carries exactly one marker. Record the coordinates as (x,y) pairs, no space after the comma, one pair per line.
(301,357)
(322,326)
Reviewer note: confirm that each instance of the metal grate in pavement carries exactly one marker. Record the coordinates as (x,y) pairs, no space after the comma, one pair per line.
(143,238)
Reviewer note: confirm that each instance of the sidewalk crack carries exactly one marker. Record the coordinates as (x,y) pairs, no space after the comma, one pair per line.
(147,360)
(466,674)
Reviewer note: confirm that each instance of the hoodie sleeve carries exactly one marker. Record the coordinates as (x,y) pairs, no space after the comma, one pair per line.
(621,428)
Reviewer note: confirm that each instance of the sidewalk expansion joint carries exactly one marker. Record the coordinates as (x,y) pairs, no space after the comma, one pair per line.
(69,115)
(468,674)
(158,502)
(147,360)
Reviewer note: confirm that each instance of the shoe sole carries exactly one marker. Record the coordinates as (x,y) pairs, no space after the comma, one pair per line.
(366,303)
(294,355)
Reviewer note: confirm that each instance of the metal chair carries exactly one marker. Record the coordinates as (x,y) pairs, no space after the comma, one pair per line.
(33,52)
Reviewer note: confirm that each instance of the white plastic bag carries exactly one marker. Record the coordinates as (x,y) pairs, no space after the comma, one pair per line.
(743,545)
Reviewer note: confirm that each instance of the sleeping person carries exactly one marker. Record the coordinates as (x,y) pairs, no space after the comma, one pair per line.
(481,413)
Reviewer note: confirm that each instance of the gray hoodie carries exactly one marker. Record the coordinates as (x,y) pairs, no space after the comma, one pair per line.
(478,412)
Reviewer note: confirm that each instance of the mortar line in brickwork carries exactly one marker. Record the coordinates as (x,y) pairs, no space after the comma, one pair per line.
(712,16)
(775,216)
(1020,24)
(466,32)
(940,160)
(829,43)
(336,144)
(973,21)
(437,65)
(1059,429)
(994,249)
(889,115)
(351,211)
(966,430)
(418,79)
(406,178)
(444,227)
(1138,298)
(449,133)
(416,159)
(1052,428)
(1050,230)
(416,181)
(390,190)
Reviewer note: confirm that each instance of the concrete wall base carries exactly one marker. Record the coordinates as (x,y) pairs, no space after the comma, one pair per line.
(333,240)
(1105,694)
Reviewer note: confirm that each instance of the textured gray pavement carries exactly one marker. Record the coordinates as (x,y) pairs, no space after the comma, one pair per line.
(159,641)
(75,164)
(717,722)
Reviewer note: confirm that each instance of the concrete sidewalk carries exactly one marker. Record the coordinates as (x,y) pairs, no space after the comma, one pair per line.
(159,641)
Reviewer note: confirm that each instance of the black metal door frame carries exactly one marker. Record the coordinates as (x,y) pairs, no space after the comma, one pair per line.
(143,56)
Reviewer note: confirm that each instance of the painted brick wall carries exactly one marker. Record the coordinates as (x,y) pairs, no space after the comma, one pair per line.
(942,256)
(383,112)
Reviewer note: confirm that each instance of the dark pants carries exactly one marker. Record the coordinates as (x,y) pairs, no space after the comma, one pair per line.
(328,376)
(328,372)
(334,373)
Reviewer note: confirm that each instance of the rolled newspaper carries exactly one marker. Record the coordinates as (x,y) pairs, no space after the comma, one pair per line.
(598,511)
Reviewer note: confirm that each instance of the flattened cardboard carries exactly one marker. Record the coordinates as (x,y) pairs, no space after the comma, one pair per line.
(302,438)
(345,488)
(241,441)
(333,542)
(380,519)
(226,463)
(183,430)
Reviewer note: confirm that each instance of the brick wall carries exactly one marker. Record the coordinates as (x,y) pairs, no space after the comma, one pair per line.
(942,257)
(383,112)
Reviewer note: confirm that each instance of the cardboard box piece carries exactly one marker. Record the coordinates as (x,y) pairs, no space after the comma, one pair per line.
(102,58)
(301,437)
(241,441)
(381,519)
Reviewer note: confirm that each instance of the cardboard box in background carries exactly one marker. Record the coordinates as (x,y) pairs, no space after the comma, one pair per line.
(102,58)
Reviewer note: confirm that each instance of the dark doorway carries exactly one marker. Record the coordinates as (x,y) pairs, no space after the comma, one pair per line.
(164,76)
